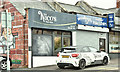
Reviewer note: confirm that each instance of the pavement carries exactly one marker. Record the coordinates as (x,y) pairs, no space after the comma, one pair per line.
(113,65)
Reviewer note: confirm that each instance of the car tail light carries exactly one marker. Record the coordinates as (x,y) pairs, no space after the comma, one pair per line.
(75,55)
(58,55)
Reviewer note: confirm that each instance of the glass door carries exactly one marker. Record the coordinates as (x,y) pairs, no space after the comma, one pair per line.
(102,44)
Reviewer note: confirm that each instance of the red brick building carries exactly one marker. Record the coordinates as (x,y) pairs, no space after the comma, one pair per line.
(20,52)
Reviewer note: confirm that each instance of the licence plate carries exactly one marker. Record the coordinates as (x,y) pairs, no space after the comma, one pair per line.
(65,56)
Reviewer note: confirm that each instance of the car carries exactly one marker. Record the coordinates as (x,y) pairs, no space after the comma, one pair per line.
(81,57)
(3,62)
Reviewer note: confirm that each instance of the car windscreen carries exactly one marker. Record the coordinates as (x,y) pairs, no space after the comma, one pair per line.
(68,50)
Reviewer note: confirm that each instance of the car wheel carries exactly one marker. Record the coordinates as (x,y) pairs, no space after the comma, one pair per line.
(61,66)
(105,61)
(3,64)
(82,64)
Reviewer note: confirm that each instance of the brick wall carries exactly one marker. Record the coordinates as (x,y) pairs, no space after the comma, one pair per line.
(20,52)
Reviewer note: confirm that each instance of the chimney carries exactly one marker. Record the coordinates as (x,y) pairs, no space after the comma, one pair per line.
(118,4)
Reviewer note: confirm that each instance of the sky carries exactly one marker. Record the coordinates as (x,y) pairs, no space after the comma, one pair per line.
(96,3)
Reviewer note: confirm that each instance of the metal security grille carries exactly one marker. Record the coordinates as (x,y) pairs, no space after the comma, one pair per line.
(42,45)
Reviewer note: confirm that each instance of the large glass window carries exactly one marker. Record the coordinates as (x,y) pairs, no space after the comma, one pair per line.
(113,42)
(57,42)
(61,39)
(66,41)
(49,42)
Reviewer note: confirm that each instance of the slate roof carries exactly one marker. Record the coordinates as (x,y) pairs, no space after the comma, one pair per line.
(73,8)
(22,4)
(106,11)
(110,10)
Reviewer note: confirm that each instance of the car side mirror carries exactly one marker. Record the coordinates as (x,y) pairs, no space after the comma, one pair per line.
(98,51)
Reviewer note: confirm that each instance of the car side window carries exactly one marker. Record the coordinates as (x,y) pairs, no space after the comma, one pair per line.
(85,49)
(92,49)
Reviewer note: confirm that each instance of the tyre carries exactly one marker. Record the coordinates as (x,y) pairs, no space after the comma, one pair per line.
(82,64)
(3,64)
(61,66)
(105,61)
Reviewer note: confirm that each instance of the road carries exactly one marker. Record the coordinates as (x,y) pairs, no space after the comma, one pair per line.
(113,65)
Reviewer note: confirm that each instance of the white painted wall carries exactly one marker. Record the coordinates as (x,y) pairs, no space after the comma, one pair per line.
(44,61)
(74,38)
(29,45)
(90,38)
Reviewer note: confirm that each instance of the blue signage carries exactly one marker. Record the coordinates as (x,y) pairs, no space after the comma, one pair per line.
(91,20)
(111,20)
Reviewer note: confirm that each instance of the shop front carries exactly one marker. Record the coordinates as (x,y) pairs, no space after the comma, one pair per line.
(92,31)
(114,36)
(114,43)
(48,32)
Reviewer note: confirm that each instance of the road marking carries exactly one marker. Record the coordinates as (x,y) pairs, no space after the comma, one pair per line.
(109,68)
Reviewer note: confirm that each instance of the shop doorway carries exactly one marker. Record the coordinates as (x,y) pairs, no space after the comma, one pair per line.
(102,44)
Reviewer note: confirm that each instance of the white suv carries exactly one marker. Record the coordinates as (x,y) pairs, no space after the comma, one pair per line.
(81,57)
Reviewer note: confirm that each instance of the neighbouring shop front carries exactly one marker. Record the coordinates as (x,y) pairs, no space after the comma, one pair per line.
(114,35)
(92,31)
(114,43)
(114,38)
(48,32)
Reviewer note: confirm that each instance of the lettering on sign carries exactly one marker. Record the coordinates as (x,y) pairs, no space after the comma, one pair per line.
(47,18)
(71,27)
(95,21)
(111,20)
(91,20)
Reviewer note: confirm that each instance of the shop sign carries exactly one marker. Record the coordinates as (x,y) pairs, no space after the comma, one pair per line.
(91,20)
(51,20)
(46,18)
(111,20)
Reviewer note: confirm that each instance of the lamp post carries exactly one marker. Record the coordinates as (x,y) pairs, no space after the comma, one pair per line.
(6,23)
(8,62)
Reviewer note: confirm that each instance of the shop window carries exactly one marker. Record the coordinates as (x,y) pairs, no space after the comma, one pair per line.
(61,39)
(113,42)
(49,41)
(57,42)
(66,33)
(34,31)
(66,41)
(57,32)
(37,31)
(42,45)
(47,32)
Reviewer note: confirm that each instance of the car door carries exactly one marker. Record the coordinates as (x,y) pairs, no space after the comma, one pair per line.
(87,54)
(97,54)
